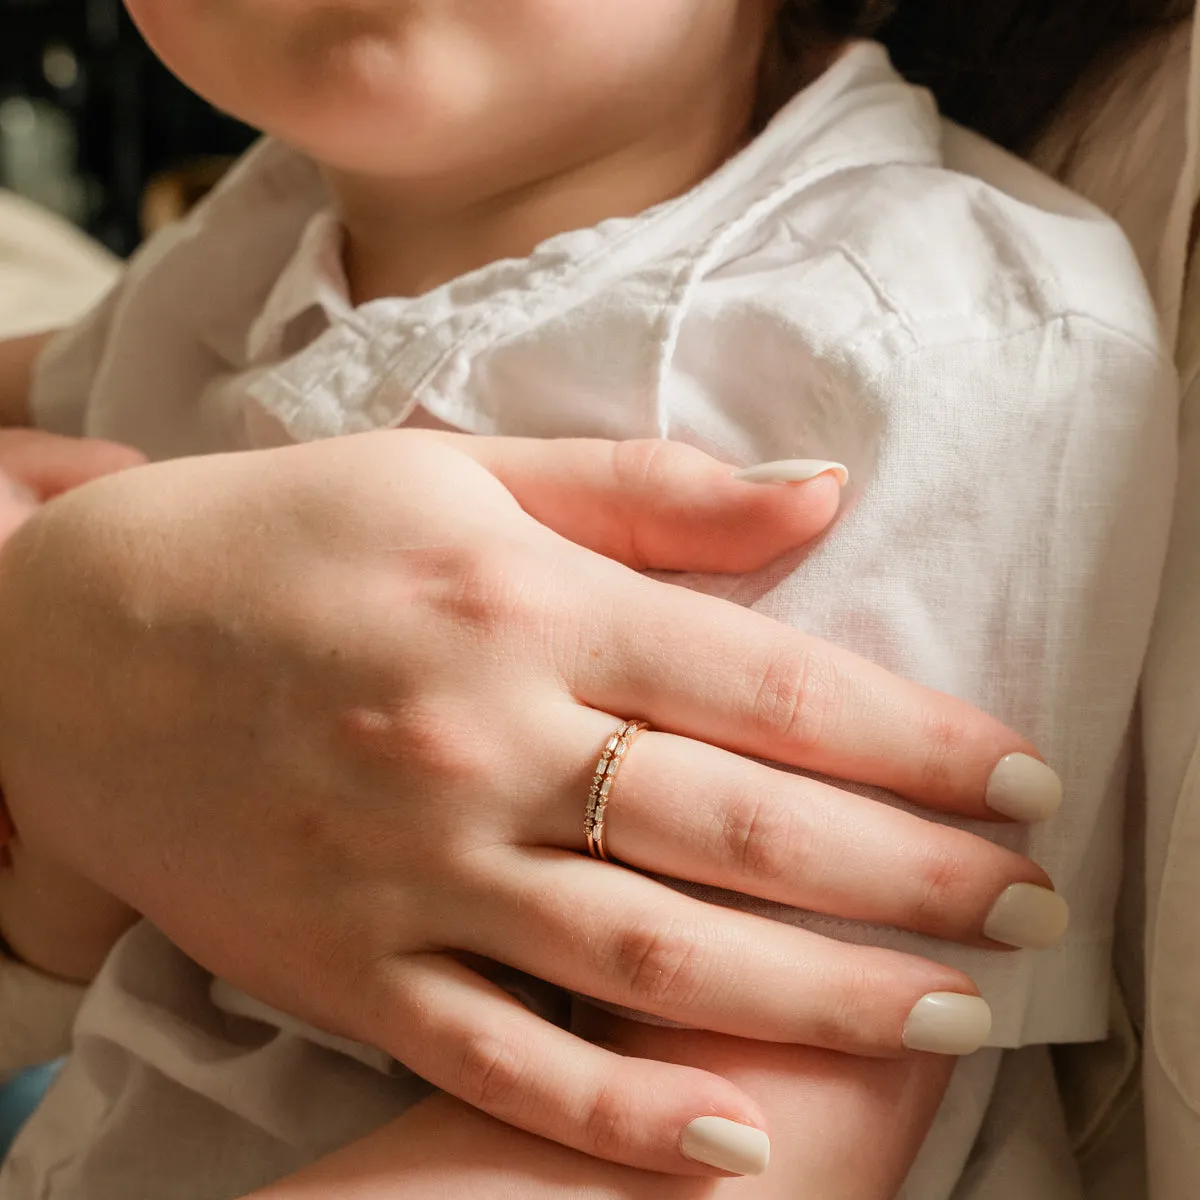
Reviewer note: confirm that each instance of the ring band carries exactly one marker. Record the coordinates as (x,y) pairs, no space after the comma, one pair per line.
(605,776)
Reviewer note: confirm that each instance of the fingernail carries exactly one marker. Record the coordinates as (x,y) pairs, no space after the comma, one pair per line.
(1024,789)
(947,1023)
(793,470)
(726,1145)
(1028,917)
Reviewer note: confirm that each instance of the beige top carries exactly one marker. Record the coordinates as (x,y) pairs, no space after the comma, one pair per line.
(1131,142)
(49,272)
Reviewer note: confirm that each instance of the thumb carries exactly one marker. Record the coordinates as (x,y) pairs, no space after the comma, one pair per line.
(662,504)
(48,464)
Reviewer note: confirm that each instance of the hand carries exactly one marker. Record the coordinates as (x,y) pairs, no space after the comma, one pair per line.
(328,716)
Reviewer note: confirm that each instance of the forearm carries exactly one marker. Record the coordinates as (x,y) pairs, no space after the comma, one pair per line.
(445,1150)
(17,359)
(56,922)
(842,1129)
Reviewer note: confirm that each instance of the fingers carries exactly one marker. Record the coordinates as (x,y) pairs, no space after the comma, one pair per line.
(709,670)
(48,464)
(467,1037)
(687,810)
(603,931)
(661,504)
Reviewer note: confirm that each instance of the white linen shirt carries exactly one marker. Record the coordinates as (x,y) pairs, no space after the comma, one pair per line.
(862,283)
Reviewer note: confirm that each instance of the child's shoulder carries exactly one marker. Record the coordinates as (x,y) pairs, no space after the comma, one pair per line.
(981,247)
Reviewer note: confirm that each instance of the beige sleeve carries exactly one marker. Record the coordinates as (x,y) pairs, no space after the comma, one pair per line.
(50,274)
(36,1016)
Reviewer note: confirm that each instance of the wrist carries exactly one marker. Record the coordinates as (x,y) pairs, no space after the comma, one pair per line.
(18,357)
(55,921)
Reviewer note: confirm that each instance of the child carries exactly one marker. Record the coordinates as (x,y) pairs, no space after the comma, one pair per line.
(723,223)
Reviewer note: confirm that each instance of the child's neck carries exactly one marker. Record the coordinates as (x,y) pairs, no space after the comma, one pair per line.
(404,238)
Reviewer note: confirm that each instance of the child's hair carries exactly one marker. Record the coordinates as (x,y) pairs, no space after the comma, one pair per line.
(803,30)
(1001,67)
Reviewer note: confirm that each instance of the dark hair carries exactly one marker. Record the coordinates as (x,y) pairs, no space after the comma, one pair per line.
(803,30)
(1001,67)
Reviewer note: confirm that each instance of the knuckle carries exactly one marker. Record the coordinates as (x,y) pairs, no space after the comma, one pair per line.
(609,1126)
(485,588)
(943,737)
(424,739)
(759,840)
(797,698)
(646,463)
(940,884)
(659,965)
(844,1021)
(491,1073)
(638,468)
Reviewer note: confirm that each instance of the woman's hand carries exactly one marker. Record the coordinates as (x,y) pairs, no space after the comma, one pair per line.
(328,715)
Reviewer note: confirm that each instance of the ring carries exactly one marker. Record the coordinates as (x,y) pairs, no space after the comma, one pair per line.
(605,776)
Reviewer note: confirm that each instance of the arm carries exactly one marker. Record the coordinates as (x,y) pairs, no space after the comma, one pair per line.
(819,1106)
(17,358)
(55,926)
(55,921)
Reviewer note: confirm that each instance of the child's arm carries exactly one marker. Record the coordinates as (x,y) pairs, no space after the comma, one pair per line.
(17,358)
(50,918)
(54,920)
(842,1129)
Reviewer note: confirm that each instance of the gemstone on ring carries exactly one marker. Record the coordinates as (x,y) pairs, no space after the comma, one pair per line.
(603,779)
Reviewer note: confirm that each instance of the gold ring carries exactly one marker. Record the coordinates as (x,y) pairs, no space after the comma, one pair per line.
(605,776)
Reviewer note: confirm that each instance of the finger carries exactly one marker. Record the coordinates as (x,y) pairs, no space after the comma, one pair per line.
(469,1038)
(48,464)
(658,503)
(605,932)
(706,669)
(694,812)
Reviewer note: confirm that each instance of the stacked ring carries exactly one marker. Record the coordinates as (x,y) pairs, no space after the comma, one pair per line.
(603,779)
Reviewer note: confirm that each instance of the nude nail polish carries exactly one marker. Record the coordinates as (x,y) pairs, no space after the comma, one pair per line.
(793,470)
(1028,917)
(726,1145)
(1024,788)
(948,1023)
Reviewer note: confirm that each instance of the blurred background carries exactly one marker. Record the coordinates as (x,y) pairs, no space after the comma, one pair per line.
(92,127)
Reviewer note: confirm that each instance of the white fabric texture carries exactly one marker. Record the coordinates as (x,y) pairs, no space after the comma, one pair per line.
(972,341)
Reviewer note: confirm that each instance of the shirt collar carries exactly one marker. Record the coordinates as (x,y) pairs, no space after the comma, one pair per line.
(312,284)
(366,367)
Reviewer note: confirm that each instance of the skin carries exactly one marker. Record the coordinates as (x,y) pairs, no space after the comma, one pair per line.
(458,132)
(17,356)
